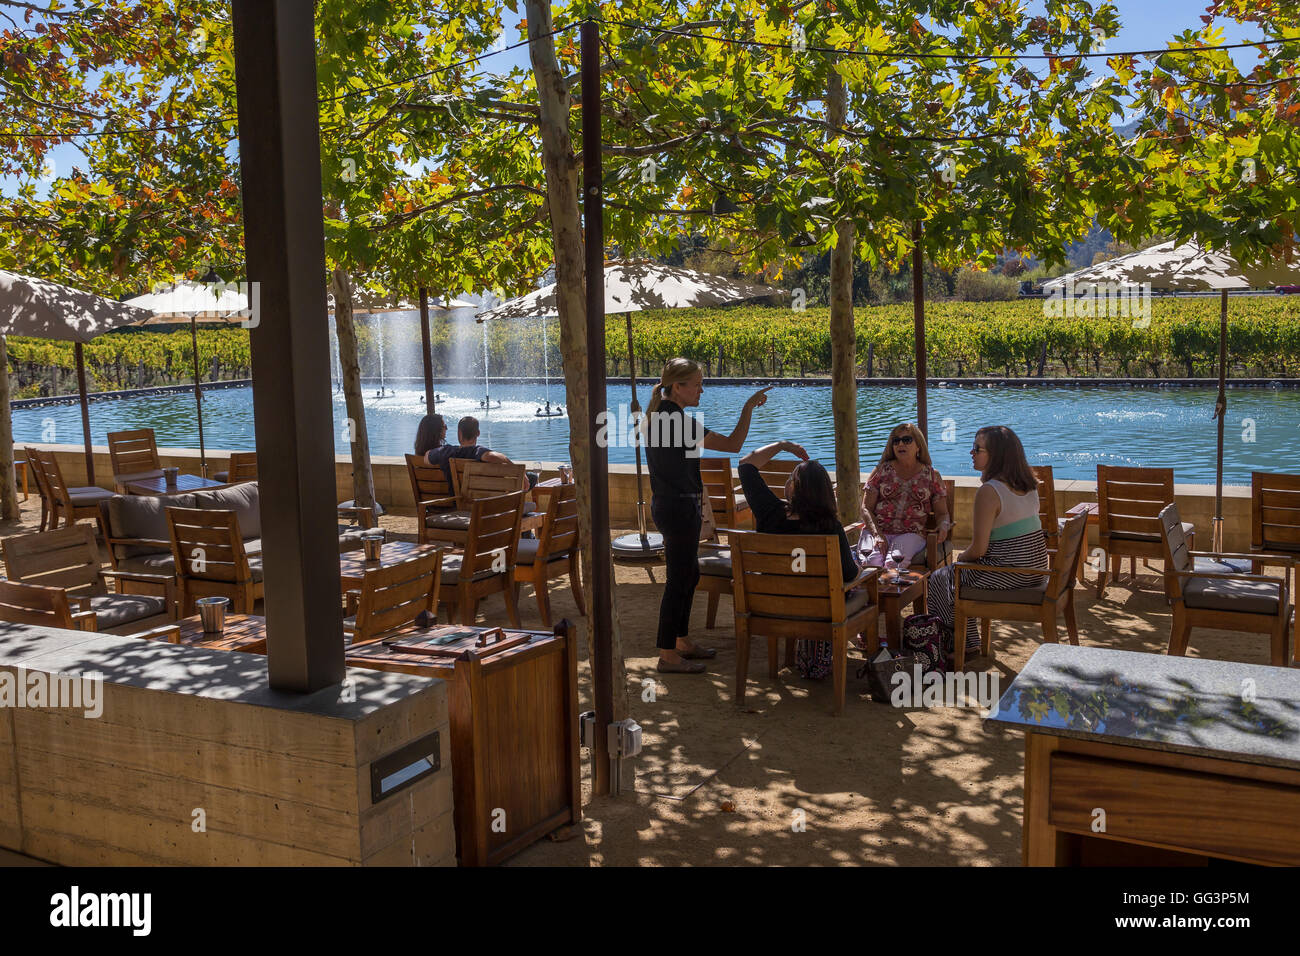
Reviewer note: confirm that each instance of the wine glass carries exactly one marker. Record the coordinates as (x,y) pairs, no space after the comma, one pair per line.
(897,557)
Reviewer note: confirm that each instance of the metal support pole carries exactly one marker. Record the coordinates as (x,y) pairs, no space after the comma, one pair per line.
(80,355)
(284,239)
(1221,413)
(601,556)
(918,320)
(198,395)
(426,350)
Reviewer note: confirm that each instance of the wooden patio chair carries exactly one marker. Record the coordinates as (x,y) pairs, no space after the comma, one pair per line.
(68,559)
(242,467)
(730,510)
(48,505)
(487,565)
(73,503)
(938,554)
(776,472)
(1129,502)
(1206,594)
(41,605)
(1044,604)
(1275,516)
(554,552)
(210,560)
(437,511)
(1048,517)
(780,597)
(134,455)
(393,597)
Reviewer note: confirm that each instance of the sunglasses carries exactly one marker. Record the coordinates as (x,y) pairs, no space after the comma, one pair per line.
(903,440)
(977,449)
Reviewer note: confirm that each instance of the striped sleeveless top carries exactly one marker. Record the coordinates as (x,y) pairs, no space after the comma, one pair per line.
(1019,514)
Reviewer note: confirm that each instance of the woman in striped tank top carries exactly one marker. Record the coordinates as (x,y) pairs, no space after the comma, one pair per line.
(1007,532)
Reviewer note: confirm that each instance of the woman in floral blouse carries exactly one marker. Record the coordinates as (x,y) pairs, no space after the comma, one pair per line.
(901,493)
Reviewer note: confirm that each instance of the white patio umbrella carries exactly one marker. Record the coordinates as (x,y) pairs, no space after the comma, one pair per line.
(1188,266)
(639,287)
(188,301)
(48,310)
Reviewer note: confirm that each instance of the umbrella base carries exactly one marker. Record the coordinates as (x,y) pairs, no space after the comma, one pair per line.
(631,545)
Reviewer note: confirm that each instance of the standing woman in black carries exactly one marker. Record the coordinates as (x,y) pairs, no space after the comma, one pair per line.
(673,443)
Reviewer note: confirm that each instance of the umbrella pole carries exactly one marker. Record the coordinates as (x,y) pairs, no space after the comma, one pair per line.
(80,356)
(636,411)
(1221,413)
(198,394)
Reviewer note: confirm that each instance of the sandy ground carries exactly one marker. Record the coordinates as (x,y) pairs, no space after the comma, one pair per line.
(781,781)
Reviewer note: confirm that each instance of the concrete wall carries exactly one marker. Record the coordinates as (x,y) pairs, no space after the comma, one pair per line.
(393,488)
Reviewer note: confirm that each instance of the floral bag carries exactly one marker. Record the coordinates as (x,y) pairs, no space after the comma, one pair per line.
(923,637)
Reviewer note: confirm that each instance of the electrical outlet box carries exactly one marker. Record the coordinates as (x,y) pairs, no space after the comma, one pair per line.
(625,738)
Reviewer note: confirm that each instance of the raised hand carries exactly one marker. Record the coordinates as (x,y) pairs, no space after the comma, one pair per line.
(759,398)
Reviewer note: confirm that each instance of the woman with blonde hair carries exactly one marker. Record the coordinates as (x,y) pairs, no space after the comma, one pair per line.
(901,493)
(673,441)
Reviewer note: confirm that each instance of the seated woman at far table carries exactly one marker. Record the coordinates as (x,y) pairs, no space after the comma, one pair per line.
(900,495)
(810,510)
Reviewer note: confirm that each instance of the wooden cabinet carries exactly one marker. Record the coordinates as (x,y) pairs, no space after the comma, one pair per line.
(513,706)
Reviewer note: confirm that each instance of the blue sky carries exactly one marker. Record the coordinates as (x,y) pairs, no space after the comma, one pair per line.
(1147,24)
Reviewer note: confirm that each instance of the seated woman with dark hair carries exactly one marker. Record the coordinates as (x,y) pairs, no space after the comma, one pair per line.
(1007,532)
(810,510)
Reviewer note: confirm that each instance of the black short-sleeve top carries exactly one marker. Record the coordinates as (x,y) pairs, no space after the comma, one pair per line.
(674,440)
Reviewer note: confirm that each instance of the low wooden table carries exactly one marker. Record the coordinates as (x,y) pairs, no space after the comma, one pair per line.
(243,632)
(353,564)
(1145,759)
(158,487)
(513,706)
(909,588)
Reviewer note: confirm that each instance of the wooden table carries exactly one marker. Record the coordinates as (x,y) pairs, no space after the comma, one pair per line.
(909,588)
(158,487)
(243,632)
(1145,759)
(353,564)
(513,706)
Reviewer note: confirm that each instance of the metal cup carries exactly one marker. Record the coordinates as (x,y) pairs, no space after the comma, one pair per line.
(212,613)
(169,475)
(372,543)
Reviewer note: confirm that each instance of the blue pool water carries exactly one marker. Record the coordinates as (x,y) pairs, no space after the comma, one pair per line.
(1071,428)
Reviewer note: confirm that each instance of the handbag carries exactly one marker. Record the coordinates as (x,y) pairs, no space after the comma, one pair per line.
(880,675)
(708,527)
(923,637)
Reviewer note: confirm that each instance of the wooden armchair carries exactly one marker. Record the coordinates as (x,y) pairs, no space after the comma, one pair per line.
(776,472)
(1055,597)
(730,511)
(487,565)
(437,513)
(553,553)
(1129,502)
(74,503)
(210,560)
(779,596)
(134,455)
(243,467)
(1047,514)
(1205,595)
(393,597)
(38,604)
(1275,516)
(938,554)
(48,504)
(68,559)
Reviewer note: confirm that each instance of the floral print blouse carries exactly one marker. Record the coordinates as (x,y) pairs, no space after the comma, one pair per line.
(902,506)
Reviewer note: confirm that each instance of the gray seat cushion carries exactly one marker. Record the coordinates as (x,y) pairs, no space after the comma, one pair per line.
(1188,528)
(154,563)
(716,563)
(451,570)
(1224,566)
(1223,594)
(89,496)
(350,537)
(142,516)
(116,610)
(243,500)
(526,553)
(448,521)
(1032,595)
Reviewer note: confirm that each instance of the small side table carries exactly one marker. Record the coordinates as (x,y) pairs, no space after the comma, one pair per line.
(909,588)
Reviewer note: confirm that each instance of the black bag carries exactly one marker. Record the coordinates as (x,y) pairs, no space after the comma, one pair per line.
(922,636)
(879,675)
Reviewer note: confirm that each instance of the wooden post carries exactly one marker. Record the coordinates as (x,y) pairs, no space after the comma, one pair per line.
(602,559)
(284,239)
(425,349)
(918,321)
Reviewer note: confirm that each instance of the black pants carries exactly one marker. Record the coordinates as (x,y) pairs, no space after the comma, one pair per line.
(678,520)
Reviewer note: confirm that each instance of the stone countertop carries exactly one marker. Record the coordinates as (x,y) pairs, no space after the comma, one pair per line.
(1219,709)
